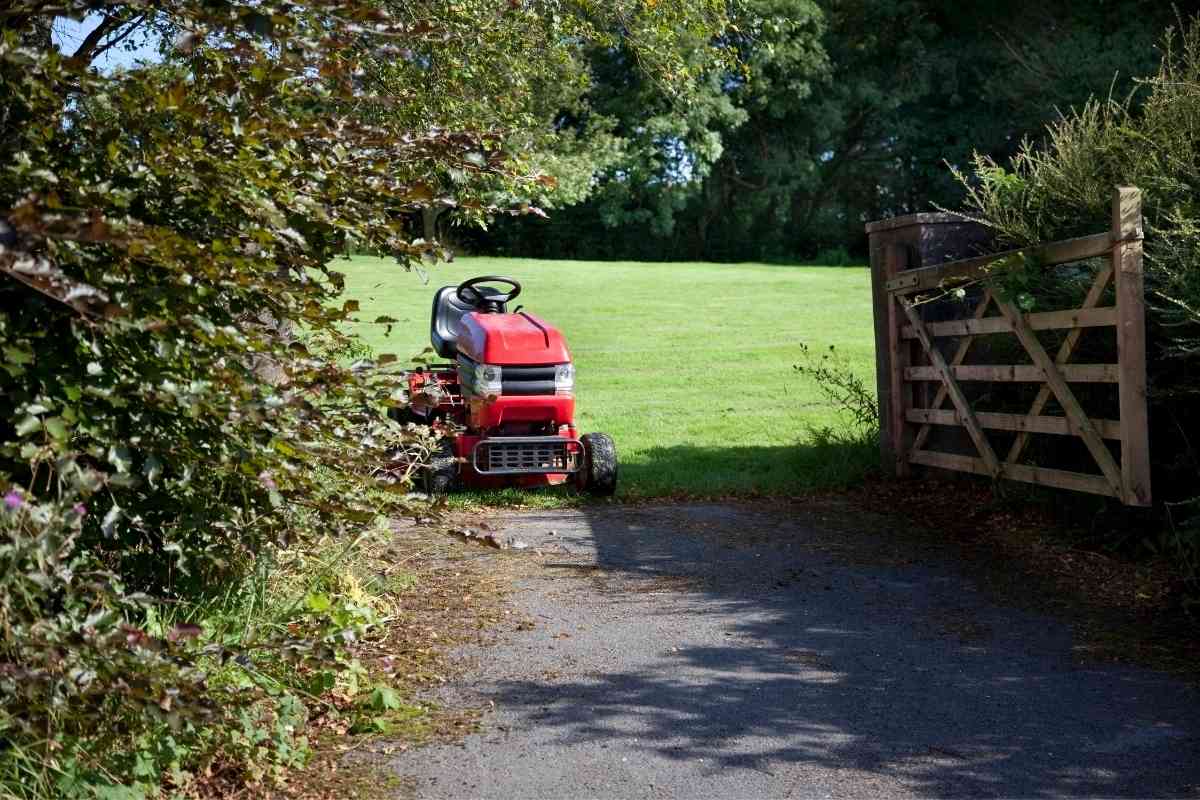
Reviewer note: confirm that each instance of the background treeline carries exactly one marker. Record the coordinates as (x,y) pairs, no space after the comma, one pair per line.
(841,112)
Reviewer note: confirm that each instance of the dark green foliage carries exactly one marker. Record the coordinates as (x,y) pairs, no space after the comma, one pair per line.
(847,111)
(1064,188)
(167,418)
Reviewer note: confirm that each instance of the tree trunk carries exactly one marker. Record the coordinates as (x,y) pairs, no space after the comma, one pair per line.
(429,222)
(429,219)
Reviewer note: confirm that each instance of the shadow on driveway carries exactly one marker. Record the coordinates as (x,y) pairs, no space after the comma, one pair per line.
(732,651)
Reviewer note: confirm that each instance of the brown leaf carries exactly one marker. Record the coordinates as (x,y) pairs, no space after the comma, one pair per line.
(97,228)
(420,192)
(183,631)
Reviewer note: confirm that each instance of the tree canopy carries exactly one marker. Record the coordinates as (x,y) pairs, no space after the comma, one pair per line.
(843,111)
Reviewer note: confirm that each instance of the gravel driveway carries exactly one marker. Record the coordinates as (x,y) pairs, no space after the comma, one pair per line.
(714,651)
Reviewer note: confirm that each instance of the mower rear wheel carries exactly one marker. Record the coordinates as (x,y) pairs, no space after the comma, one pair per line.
(599,473)
(404,415)
(440,476)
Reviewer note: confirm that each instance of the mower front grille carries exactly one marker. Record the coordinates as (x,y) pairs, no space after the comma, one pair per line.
(526,455)
(528,380)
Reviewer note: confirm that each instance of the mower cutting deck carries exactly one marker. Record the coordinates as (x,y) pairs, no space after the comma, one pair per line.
(506,403)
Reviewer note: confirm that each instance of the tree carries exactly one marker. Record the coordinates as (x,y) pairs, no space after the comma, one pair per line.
(624,144)
(849,111)
(526,73)
(911,86)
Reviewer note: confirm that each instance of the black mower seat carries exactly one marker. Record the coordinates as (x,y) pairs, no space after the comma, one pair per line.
(446,319)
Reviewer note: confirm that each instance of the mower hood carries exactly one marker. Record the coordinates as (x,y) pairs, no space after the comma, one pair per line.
(520,339)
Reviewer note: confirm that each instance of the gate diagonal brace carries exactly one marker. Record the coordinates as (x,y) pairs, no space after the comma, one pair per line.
(960,355)
(955,392)
(1066,398)
(1065,352)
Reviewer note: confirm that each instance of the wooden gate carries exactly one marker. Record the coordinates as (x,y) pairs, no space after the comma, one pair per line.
(918,362)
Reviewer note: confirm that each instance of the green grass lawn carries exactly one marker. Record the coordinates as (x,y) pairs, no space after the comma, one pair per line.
(688,366)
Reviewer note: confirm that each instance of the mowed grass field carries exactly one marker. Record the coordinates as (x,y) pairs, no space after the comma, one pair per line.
(688,366)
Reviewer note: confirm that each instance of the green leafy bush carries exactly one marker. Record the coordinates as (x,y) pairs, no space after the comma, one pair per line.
(164,429)
(180,425)
(835,257)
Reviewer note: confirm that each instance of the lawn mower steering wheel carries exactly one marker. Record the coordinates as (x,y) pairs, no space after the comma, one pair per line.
(467,293)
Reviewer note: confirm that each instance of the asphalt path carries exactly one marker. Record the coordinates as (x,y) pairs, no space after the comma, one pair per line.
(713,651)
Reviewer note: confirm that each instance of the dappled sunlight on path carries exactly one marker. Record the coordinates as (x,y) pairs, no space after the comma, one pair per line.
(722,651)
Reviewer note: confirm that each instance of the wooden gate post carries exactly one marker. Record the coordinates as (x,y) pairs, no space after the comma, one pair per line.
(881,301)
(1131,344)
(895,261)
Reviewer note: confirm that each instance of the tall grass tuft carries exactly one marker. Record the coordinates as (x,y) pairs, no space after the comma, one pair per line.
(846,452)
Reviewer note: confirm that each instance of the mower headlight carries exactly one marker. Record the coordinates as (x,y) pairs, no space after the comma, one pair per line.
(564,379)
(489,379)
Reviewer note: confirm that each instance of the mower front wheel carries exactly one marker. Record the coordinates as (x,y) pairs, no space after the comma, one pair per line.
(440,476)
(599,473)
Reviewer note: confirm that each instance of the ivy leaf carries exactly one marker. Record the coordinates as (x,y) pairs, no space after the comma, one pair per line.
(57,428)
(18,355)
(124,480)
(153,469)
(318,603)
(109,524)
(89,480)
(121,458)
(384,698)
(321,682)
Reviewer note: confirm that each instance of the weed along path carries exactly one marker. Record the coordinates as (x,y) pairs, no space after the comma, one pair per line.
(748,650)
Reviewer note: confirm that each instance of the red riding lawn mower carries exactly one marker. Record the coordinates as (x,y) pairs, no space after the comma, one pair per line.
(506,406)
